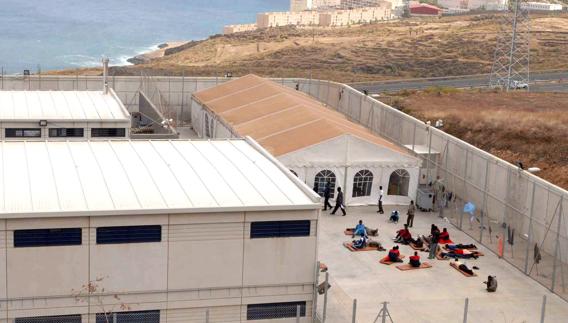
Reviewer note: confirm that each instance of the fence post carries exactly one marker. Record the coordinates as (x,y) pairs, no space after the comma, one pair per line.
(325,297)
(557,246)
(414,137)
(315,296)
(484,204)
(114,318)
(543,310)
(429,153)
(354,319)
(207,316)
(529,238)
(464,185)
(298,313)
(465,310)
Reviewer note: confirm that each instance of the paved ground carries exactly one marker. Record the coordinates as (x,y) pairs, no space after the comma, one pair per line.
(430,295)
(540,82)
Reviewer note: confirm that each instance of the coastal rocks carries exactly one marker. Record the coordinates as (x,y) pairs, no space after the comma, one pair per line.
(163,50)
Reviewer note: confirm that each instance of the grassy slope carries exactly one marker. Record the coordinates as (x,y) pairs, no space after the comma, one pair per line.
(530,127)
(437,47)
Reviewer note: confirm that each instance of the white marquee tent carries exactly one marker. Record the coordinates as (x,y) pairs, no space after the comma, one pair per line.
(314,142)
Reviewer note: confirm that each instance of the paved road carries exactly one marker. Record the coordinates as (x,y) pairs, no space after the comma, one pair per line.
(540,82)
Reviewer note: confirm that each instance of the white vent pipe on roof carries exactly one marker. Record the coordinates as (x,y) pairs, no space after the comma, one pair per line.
(105,75)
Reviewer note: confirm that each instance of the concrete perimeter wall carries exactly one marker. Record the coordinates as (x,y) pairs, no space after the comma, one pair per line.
(523,211)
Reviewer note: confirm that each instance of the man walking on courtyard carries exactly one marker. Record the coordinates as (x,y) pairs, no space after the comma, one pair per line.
(339,202)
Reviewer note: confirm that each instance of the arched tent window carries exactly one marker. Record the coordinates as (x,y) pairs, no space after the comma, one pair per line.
(322,178)
(399,182)
(293,172)
(362,183)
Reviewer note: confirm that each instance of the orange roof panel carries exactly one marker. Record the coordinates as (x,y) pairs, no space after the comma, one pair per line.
(281,119)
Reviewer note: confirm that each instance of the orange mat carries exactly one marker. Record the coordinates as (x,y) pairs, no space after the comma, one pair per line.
(453,265)
(406,267)
(386,261)
(445,242)
(349,245)
(413,246)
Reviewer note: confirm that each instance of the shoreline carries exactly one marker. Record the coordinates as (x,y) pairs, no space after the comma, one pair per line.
(161,51)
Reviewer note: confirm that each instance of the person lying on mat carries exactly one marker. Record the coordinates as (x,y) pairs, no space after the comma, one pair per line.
(445,235)
(415,260)
(361,242)
(403,235)
(461,253)
(460,246)
(394,254)
(463,267)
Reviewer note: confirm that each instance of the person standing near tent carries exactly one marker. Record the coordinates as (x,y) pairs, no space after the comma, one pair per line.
(327,196)
(410,213)
(339,202)
(381,192)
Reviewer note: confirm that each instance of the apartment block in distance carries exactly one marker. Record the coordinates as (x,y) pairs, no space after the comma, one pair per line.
(153,231)
(338,18)
(287,18)
(62,115)
(231,29)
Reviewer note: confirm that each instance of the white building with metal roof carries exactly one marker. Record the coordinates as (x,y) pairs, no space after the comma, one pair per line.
(174,229)
(62,115)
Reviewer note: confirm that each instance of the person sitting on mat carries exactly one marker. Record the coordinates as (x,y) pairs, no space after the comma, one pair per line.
(360,229)
(445,235)
(403,235)
(415,260)
(360,243)
(491,284)
(394,254)
(460,246)
(395,216)
(463,267)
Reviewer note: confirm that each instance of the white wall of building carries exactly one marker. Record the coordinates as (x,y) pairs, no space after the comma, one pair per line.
(203,261)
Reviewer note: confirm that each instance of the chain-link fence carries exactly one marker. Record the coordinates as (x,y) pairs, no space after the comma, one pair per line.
(516,214)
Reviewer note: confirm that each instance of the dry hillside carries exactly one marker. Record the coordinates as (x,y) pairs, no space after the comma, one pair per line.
(410,48)
(527,127)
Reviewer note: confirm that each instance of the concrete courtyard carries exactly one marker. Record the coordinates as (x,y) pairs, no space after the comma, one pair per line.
(428,295)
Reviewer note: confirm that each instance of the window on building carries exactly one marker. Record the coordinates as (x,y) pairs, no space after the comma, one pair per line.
(108,132)
(274,310)
(66,132)
(362,183)
(47,237)
(129,317)
(322,178)
(399,182)
(129,234)
(23,132)
(280,229)
(50,319)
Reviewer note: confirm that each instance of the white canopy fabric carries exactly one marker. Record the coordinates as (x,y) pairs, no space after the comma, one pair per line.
(348,151)
(61,106)
(144,177)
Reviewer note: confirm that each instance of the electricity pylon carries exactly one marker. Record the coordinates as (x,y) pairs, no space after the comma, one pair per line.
(511,67)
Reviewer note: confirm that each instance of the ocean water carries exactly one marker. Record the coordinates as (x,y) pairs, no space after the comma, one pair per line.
(58,34)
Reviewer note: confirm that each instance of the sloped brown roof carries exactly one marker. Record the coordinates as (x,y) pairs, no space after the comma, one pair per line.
(279,118)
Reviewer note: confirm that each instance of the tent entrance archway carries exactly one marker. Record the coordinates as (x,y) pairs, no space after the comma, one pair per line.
(399,183)
(322,178)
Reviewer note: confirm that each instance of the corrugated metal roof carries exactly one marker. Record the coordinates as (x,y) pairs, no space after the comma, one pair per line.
(144,177)
(61,106)
(281,119)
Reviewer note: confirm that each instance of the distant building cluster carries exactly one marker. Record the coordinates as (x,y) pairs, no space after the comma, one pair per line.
(325,13)
(494,5)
